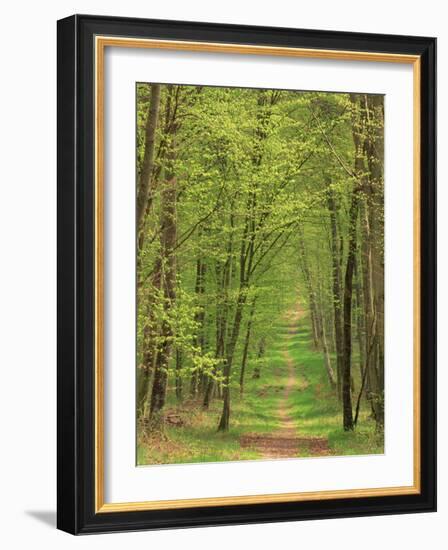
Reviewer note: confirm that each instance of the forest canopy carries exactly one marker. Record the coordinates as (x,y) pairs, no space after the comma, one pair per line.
(260,273)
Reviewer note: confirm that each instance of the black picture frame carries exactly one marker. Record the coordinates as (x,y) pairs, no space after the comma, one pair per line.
(76,225)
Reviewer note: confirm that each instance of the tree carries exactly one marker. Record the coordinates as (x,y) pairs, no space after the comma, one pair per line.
(248,201)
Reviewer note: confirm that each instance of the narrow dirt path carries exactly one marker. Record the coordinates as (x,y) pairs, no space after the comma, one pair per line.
(284,442)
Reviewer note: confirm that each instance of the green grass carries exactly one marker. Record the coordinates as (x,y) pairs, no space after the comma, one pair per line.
(312,402)
(198,440)
(317,408)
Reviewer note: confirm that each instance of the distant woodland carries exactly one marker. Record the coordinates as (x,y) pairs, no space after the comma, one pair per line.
(260,273)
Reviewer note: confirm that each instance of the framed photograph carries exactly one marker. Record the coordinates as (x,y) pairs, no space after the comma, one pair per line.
(246,274)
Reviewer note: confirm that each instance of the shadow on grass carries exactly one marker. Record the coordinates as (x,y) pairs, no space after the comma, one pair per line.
(312,403)
(318,409)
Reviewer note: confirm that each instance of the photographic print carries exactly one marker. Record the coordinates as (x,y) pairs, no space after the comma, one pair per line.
(260,274)
(246,274)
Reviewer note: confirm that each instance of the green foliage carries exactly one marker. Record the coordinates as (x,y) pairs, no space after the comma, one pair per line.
(253,171)
(313,404)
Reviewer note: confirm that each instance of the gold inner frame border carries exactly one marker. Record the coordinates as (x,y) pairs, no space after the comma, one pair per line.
(100,44)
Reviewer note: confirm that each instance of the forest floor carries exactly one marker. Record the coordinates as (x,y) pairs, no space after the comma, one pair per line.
(290,411)
(285,442)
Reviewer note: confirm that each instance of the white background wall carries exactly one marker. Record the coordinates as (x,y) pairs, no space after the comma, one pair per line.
(28,272)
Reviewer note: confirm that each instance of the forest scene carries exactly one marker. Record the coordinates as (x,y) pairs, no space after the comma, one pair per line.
(260,274)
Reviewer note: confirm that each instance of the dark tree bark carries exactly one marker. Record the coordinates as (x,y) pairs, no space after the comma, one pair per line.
(179,359)
(225,416)
(359,180)
(223,277)
(374,202)
(245,265)
(369,309)
(337,288)
(314,314)
(318,321)
(149,343)
(323,340)
(246,345)
(145,191)
(199,317)
(348,289)
(360,329)
(167,246)
(253,225)
(260,353)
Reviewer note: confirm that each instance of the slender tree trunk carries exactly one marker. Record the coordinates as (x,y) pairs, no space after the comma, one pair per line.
(179,375)
(265,103)
(314,326)
(261,350)
(337,286)
(223,278)
(150,333)
(311,292)
(348,289)
(145,191)
(358,131)
(318,323)
(199,319)
(225,416)
(245,265)
(327,359)
(224,421)
(369,310)
(359,317)
(167,245)
(374,202)
(246,345)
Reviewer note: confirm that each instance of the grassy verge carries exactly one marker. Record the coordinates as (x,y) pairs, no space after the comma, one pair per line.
(197,440)
(312,403)
(316,407)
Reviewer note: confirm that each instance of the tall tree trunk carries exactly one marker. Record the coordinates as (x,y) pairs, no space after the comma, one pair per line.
(223,277)
(359,319)
(150,333)
(145,189)
(199,319)
(369,310)
(310,289)
(245,264)
(167,246)
(337,288)
(246,345)
(358,132)
(325,350)
(260,353)
(179,359)
(375,210)
(316,309)
(265,103)
(225,416)
(348,289)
